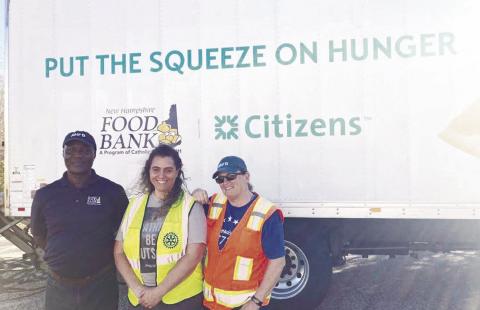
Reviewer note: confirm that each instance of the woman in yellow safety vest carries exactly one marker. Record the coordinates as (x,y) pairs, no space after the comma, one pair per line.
(161,241)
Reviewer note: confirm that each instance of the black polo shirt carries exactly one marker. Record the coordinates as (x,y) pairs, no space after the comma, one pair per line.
(78,225)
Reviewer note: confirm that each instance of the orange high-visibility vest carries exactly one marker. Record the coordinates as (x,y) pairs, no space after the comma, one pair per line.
(233,274)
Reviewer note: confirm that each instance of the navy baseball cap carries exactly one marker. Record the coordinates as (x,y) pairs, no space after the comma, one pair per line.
(81,136)
(230,164)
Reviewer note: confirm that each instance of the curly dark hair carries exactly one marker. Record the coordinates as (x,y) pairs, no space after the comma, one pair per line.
(164,150)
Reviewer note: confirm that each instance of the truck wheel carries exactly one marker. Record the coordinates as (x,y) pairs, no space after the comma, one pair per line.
(308,270)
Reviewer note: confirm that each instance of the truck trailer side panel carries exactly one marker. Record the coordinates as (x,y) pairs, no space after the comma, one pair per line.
(351,105)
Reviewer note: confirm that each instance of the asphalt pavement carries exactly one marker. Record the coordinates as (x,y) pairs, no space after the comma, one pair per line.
(433,281)
(436,281)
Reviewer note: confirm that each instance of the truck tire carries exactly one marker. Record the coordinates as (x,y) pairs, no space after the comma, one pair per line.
(308,270)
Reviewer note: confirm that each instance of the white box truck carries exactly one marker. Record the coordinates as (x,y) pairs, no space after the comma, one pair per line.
(360,120)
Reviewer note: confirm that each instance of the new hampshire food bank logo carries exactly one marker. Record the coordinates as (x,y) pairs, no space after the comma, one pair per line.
(137,131)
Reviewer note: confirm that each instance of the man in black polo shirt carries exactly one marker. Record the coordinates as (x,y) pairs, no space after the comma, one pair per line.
(75,219)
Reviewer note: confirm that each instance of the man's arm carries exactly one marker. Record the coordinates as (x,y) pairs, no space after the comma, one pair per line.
(37,221)
(121,204)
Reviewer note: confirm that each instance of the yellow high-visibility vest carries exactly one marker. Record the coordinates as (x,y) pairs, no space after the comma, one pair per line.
(171,246)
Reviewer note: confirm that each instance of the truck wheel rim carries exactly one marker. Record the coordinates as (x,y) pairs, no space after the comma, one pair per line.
(295,275)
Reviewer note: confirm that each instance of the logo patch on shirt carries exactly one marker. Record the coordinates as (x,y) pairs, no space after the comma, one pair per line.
(170,240)
(94,201)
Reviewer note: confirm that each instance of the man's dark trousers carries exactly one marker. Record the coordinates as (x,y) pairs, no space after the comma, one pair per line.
(99,293)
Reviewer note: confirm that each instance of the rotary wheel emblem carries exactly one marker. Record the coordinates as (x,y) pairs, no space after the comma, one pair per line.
(170,240)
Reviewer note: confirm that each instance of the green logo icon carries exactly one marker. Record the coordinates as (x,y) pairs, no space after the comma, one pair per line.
(226,127)
(170,240)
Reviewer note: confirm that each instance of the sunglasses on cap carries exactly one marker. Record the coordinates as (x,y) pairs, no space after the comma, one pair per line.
(229,177)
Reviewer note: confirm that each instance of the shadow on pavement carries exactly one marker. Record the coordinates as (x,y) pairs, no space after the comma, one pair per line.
(19,279)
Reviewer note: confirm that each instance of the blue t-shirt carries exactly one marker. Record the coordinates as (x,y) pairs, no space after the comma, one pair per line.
(273,242)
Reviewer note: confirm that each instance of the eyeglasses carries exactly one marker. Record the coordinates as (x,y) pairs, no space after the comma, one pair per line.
(229,177)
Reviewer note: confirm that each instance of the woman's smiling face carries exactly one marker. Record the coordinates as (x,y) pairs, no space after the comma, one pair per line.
(163,174)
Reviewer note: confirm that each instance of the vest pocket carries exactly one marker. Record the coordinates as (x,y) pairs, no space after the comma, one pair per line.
(243,268)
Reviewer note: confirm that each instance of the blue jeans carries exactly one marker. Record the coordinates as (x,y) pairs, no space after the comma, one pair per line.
(100,293)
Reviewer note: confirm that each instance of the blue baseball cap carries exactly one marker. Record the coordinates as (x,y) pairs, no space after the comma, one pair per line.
(230,164)
(81,136)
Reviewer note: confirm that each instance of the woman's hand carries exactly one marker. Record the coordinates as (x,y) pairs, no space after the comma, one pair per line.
(151,297)
(139,291)
(200,195)
(250,305)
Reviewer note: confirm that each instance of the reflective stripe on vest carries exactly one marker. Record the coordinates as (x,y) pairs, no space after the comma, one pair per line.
(229,299)
(207,292)
(169,258)
(217,205)
(233,299)
(135,263)
(257,217)
(133,206)
(243,265)
(214,211)
(161,260)
(176,225)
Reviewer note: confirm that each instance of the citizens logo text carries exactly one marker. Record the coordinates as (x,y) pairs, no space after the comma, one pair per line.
(231,127)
